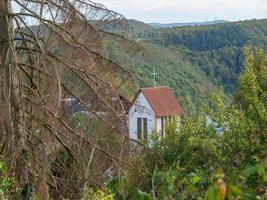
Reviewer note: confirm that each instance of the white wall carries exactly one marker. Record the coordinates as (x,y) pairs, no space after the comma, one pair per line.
(158,126)
(142,109)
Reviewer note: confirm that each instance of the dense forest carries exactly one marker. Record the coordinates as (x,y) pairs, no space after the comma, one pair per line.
(193,60)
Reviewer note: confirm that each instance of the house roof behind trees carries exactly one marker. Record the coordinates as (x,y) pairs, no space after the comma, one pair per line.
(163,101)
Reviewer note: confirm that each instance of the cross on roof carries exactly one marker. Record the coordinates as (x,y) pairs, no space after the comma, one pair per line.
(154,74)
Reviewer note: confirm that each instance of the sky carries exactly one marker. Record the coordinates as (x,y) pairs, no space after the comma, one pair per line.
(170,11)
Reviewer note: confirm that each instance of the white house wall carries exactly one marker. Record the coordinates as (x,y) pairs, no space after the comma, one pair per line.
(158,127)
(141,109)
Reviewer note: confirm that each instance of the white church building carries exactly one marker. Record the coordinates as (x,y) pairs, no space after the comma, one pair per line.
(151,109)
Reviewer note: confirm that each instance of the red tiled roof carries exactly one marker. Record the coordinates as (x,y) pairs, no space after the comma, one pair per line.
(163,101)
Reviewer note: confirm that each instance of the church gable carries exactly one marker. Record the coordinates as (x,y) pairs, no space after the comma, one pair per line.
(141,105)
(141,118)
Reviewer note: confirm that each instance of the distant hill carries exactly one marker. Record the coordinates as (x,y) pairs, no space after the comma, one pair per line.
(171,25)
(193,60)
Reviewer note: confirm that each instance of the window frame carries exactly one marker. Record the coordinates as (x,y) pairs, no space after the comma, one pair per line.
(139,128)
(142,128)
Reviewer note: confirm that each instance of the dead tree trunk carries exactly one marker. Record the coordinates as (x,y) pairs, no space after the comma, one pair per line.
(57,44)
(11,105)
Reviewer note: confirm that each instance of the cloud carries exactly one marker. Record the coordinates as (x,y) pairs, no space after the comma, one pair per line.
(188,10)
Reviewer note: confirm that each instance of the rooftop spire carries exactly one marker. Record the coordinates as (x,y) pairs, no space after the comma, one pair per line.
(154,74)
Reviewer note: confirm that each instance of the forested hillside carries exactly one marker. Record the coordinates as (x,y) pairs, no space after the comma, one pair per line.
(194,60)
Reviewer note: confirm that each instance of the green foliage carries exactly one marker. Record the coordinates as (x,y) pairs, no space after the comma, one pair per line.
(219,154)
(164,184)
(253,90)
(99,194)
(124,189)
(6,182)
(213,193)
